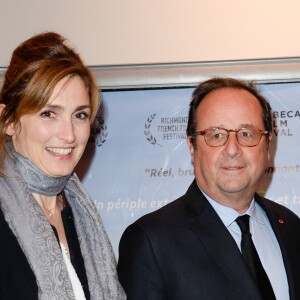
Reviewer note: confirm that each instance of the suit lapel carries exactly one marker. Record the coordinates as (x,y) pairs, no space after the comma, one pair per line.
(279,222)
(219,243)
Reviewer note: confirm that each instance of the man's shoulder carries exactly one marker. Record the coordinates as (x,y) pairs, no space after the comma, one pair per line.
(276,209)
(165,214)
(178,213)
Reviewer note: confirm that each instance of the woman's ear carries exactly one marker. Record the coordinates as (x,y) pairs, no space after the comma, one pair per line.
(10,130)
(1,107)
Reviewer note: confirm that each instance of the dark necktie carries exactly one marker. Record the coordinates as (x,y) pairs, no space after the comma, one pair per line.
(252,260)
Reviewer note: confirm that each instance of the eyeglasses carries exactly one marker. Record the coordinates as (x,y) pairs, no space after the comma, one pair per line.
(216,136)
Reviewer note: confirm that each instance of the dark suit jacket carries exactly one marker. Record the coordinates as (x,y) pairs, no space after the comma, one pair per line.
(17,280)
(183,251)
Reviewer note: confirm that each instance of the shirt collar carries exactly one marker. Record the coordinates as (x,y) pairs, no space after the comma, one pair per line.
(228,214)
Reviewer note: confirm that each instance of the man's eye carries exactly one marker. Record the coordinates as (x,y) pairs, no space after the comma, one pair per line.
(218,136)
(246,134)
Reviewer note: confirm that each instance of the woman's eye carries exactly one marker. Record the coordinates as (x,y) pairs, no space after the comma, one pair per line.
(82,115)
(46,114)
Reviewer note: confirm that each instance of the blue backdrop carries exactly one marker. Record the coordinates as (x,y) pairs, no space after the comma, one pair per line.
(137,159)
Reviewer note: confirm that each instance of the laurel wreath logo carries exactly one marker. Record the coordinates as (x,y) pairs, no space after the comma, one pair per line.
(101,139)
(99,132)
(147,132)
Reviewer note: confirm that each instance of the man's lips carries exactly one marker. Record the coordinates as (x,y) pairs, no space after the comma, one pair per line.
(233,168)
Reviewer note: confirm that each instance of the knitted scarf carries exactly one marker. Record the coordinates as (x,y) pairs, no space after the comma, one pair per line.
(37,240)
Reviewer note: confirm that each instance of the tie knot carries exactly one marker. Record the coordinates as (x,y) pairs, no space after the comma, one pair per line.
(243,222)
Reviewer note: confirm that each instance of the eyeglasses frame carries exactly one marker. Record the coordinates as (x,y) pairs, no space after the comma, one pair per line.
(203,132)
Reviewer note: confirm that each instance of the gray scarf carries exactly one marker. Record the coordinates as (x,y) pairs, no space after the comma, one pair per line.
(37,240)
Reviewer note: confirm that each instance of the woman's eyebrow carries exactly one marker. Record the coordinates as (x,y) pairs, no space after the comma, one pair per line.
(59,107)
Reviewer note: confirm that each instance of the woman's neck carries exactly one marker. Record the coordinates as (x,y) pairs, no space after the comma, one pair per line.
(51,205)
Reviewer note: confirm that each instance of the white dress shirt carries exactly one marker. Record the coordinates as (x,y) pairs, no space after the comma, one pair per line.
(76,285)
(264,240)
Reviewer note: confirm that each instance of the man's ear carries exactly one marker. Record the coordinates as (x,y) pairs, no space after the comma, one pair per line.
(10,130)
(269,141)
(191,147)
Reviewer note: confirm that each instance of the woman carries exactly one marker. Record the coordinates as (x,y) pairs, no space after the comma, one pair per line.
(53,244)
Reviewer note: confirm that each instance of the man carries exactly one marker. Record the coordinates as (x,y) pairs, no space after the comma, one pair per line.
(193,248)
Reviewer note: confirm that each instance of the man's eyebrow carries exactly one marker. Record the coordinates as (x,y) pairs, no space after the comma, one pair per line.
(246,126)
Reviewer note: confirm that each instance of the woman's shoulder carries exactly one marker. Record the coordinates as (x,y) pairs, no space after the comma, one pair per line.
(16,276)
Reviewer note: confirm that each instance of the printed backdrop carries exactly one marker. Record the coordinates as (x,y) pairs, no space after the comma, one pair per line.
(137,159)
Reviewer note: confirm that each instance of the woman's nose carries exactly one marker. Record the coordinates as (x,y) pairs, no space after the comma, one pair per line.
(67,131)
